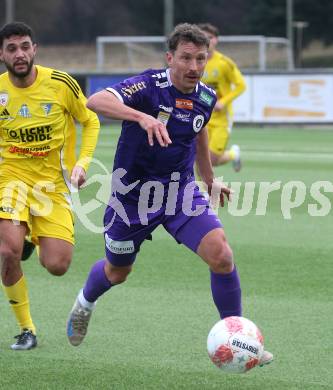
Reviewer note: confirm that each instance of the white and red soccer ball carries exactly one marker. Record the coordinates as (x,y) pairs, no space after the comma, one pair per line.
(235,344)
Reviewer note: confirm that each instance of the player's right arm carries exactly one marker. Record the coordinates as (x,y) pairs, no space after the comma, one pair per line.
(108,104)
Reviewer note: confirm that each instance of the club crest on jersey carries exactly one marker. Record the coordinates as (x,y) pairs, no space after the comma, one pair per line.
(206,98)
(24,111)
(46,108)
(3,99)
(198,122)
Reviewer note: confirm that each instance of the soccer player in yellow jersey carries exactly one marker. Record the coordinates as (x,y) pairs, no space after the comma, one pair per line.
(222,74)
(38,165)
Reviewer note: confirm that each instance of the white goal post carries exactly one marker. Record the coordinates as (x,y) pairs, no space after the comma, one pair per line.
(129,54)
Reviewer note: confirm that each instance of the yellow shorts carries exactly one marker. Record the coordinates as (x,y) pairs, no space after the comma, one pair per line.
(219,129)
(47,214)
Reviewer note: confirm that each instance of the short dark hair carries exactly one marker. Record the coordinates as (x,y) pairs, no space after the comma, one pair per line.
(16,28)
(209,28)
(186,32)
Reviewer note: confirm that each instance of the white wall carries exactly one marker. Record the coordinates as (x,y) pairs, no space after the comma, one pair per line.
(285,98)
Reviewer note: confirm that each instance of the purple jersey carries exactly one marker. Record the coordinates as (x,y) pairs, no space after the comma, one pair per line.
(184,115)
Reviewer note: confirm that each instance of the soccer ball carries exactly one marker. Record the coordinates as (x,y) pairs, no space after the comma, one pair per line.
(235,344)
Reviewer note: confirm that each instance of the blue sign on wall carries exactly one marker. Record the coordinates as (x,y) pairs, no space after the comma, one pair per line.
(96,83)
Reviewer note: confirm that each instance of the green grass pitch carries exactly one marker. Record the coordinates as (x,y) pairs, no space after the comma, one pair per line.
(150,333)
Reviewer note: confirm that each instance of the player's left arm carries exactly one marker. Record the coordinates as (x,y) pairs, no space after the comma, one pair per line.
(203,158)
(238,85)
(90,129)
(205,168)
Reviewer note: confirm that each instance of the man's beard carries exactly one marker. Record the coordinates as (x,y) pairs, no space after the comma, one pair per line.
(22,74)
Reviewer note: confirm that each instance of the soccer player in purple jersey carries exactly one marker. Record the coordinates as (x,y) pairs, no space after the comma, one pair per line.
(164,114)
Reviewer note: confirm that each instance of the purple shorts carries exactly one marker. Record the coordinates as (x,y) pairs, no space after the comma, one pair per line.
(127,226)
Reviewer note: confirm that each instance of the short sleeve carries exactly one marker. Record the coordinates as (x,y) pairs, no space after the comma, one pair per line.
(133,91)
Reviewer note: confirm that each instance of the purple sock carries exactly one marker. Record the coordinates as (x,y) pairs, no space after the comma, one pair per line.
(97,282)
(226,293)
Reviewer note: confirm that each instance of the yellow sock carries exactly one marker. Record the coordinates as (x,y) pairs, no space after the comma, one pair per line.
(18,298)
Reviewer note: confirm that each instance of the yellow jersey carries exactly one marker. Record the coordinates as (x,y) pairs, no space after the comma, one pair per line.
(223,75)
(37,129)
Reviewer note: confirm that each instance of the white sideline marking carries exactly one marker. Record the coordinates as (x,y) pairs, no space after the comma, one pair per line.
(293,155)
